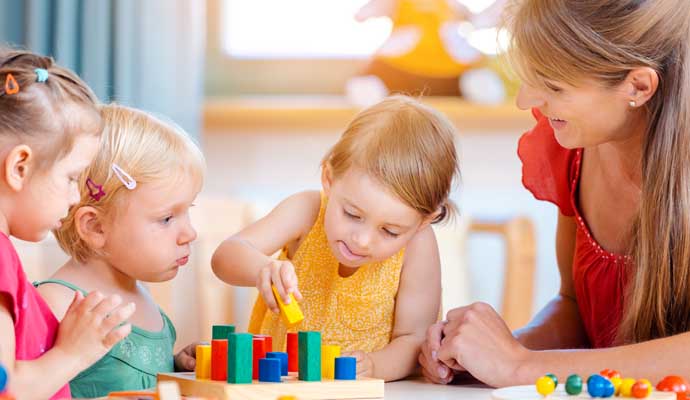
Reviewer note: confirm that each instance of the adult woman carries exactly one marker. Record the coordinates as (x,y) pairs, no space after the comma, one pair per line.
(609,84)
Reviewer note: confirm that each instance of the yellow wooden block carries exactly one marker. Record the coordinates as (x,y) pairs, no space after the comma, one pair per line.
(291,313)
(203,361)
(328,355)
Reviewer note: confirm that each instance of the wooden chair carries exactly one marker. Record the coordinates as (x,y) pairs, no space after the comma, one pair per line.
(520,262)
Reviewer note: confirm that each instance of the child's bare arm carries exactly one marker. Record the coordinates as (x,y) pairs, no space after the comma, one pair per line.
(417,307)
(244,259)
(86,337)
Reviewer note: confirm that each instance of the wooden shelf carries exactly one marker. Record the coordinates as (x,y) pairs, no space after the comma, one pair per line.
(292,114)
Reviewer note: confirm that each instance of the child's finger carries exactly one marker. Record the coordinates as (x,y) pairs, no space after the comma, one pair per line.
(264,287)
(117,317)
(116,335)
(289,279)
(434,334)
(107,305)
(298,294)
(184,362)
(76,300)
(269,299)
(278,283)
(90,301)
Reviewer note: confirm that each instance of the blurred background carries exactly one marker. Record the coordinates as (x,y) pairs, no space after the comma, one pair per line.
(267,86)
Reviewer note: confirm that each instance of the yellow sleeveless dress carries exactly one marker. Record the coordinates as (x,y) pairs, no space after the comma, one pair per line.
(355,313)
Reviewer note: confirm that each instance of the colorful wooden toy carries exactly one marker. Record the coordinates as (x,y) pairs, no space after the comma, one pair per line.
(545,385)
(239,358)
(309,356)
(676,384)
(346,368)
(293,351)
(328,355)
(269,370)
(625,389)
(641,389)
(291,313)
(529,392)
(268,342)
(283,357)
(258,352)
(609,373)
(555,379)
(271,383)
(219,359)
(222,331)
(573,385)
(597,385)
(203,361)
(3,378)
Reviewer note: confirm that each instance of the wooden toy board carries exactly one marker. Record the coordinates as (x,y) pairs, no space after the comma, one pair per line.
(362,388)
(529,392)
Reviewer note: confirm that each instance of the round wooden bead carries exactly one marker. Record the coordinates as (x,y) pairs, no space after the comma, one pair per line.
(545,385)
(555,379)
(641,389)
(596,385)
(573,385)
(625,389)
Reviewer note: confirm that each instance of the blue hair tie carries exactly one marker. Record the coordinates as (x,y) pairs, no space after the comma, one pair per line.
(41,75)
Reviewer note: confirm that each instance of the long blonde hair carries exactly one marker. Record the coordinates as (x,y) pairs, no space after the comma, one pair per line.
(567,40)
(408,147)
(147,149)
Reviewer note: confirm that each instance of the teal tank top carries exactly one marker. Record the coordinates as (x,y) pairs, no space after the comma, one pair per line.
(132,364)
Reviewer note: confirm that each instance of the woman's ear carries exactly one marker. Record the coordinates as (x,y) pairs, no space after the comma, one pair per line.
(641,85)
(89,223)
(326,179)
(18,166)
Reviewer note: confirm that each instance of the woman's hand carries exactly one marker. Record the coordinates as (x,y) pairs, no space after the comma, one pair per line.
(434,370)
(477,339)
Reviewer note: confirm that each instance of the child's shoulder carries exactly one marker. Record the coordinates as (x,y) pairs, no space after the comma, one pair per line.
(58,296)
(304,206)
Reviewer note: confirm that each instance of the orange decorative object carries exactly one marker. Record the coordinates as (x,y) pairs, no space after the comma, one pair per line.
(675,384)
(610,373)
(641,389)
(11,85)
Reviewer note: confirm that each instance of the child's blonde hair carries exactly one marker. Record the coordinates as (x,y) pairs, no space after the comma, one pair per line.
(147,149)
(406,146)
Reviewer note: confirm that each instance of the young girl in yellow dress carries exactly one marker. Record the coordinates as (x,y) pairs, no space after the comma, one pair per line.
(362,250)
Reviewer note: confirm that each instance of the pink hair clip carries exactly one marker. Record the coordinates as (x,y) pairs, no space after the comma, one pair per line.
(95,190)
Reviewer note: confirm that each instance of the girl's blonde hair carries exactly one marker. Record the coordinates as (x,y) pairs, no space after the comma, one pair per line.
(406,146)
(147,149)
(567,41)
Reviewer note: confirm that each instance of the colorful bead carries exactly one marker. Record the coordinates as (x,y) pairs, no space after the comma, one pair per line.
(573,385)
(641,389)
(616,381)
(545,385)
(596,385)
(555,379)
(625,389)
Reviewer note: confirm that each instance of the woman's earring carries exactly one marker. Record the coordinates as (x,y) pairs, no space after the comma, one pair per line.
(633,104)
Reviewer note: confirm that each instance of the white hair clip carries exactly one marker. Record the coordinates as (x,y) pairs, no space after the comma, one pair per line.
(124,177)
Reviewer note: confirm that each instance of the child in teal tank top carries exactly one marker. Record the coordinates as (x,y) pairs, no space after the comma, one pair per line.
(130,226)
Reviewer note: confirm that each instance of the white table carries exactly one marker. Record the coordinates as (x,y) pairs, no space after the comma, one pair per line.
(418,389)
